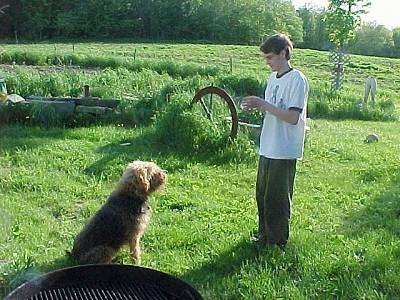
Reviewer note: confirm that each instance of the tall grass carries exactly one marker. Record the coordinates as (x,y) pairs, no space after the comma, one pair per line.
(339,105)
(122,69)
(171,68)
(144,93)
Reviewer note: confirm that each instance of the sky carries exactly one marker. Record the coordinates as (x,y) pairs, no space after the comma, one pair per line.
(383,12)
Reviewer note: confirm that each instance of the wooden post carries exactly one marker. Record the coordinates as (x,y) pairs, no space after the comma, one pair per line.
(231,64)
(86,93)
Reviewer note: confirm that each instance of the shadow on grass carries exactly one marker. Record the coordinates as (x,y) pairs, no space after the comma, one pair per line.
(145,147)
(142,147)
(225,264)
(17,137)
(375,261)
(383,212)
(243,257)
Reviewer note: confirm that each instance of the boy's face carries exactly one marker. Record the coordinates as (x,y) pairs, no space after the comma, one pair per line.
(275,61)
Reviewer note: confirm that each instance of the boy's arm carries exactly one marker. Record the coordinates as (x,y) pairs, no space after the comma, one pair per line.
(290,115)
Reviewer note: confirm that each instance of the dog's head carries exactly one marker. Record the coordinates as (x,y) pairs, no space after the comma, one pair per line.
(142,178)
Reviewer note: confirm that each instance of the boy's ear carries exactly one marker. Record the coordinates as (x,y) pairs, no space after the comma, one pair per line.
(283,52)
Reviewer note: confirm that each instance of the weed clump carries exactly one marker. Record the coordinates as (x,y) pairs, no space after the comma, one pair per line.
(181,129)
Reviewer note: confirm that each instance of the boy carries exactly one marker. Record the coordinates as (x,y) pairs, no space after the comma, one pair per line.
(281,140)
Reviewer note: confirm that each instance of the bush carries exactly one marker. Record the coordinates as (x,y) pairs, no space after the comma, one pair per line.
(180,129)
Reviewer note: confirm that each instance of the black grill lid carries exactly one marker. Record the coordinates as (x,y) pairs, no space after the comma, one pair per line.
(109,281)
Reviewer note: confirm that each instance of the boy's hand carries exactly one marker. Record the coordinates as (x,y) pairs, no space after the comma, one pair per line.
(252,102)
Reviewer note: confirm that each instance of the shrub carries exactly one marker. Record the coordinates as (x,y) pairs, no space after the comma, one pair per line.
(179,128)
(182,130)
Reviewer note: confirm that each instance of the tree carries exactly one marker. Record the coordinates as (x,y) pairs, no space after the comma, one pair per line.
(372,39)
(291,22)
(5,20)
(396,41)
(314,31)
(341,20)
(229,21)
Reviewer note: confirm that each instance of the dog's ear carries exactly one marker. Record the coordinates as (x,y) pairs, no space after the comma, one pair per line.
(157,180)
(141,182)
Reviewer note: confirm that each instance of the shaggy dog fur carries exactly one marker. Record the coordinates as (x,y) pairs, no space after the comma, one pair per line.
(123,219)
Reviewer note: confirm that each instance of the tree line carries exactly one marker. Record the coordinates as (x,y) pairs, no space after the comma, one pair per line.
(215,21)
(369,38)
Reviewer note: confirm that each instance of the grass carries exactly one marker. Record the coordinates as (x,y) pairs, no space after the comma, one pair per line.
(118,70)
(216,58)
(345,226)
(346,218)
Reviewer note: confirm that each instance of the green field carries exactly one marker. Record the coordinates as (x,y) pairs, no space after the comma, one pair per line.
(246,59)
(345,226)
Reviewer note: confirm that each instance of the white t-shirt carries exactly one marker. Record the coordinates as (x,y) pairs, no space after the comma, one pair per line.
(279,139)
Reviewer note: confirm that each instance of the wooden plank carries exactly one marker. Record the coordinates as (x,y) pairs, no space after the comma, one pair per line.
(90,101)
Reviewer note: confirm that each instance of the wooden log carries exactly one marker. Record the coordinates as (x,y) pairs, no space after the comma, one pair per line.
(63,108)
(90,101)
(36,98)
(96,110)
(110,103)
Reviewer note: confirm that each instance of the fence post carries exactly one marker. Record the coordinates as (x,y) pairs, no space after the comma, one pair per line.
(86,93)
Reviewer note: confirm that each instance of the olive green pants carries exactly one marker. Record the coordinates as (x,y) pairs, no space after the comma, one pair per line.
(274,190)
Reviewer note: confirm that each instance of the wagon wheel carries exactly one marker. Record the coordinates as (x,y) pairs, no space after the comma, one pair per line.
(217,105)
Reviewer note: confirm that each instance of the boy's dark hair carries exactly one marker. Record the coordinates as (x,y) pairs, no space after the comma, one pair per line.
(276,43)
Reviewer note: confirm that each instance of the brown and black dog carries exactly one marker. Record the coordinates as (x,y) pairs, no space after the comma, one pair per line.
(123,219)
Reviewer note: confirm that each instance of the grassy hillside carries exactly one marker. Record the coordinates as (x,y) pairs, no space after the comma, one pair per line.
(246,59)
(345,227)
(158,69)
